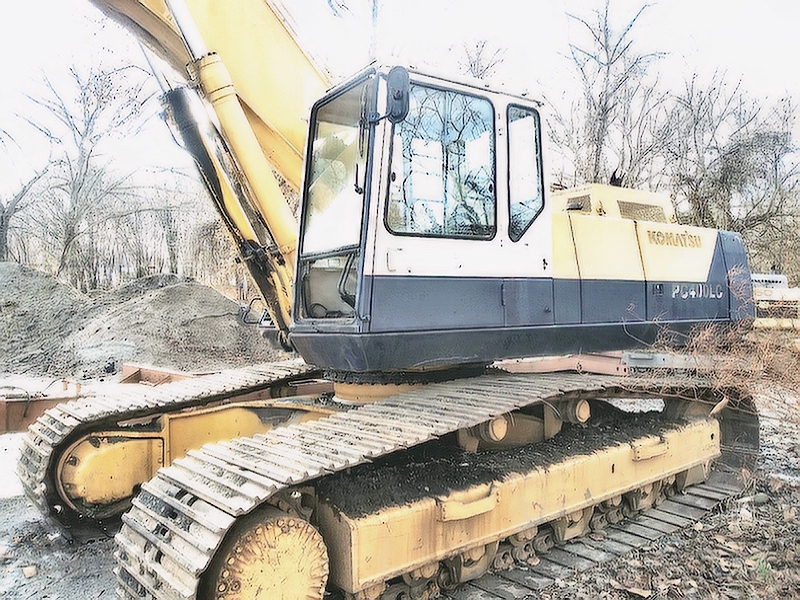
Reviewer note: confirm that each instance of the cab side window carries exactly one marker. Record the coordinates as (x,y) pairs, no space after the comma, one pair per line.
(525,181)
(442,177)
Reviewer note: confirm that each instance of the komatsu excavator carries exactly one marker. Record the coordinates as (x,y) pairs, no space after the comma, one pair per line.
(401,457)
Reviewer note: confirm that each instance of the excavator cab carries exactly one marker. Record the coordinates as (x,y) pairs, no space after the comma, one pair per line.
(427,243)
(408,222)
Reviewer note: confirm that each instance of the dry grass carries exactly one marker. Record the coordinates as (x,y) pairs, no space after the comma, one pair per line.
(739,356)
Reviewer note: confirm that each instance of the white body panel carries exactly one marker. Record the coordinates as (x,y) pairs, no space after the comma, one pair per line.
(390,254)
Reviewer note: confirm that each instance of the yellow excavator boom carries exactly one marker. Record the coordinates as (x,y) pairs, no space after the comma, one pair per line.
(260,50)
(244,58)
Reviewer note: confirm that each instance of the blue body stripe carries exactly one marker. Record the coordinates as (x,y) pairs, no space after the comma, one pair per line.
(405,303)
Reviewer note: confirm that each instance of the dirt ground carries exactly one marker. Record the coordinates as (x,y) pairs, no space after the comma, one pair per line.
(750,548)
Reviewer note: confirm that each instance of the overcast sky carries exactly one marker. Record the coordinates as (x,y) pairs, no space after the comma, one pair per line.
(754,41)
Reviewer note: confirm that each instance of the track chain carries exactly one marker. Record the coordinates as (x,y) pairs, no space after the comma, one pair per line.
(54,430)
(563,562)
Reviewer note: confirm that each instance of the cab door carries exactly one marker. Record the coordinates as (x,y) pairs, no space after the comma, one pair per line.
(527,246)
(437,228)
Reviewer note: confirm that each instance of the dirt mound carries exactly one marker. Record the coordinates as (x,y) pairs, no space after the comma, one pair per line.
(35,313)
(49,329)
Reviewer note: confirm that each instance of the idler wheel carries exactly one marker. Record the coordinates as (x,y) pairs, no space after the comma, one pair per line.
(268,554)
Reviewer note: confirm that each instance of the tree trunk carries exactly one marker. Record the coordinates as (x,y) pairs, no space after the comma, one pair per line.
(3,237)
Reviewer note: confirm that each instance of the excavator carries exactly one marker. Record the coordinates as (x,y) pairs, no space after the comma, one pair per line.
(419,443)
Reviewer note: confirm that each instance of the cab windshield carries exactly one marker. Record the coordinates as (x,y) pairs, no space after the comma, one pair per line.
(336,173)
(334,205)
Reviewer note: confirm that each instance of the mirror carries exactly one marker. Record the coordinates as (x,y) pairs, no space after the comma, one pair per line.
(397,82)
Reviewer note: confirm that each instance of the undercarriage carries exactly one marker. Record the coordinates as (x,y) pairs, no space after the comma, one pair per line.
(407,497)
(83,460)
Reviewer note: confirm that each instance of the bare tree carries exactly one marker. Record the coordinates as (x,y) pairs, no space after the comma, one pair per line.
(23,194)
(480,59)
(621,117)
(708,117)
(14,206)
(85,189)
(734,166)
(5,138)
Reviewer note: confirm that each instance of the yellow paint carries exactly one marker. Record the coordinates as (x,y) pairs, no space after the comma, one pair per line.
(187,431)
(598,241)
(772,323)
(272,205)
(274,556)
(262,56)
(366,393)
(274,78)
(607,249)
(676,252)
(422,533)
(105,468)
(565,263)
(615,202)
(469,503)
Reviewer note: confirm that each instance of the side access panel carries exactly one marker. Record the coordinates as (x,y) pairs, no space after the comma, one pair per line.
(566,278)
(610,266)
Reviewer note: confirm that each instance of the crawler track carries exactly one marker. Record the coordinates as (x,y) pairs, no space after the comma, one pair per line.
(53,431)
(565,561)
(180,518)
